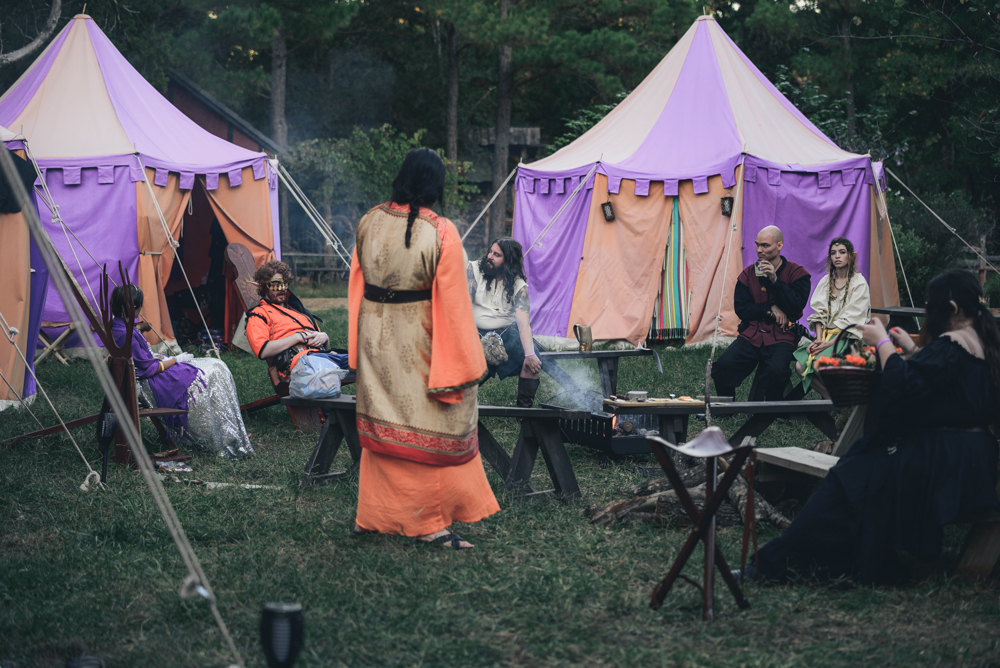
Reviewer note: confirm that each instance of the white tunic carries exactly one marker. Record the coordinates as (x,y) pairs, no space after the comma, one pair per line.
(841,312)
(491,308)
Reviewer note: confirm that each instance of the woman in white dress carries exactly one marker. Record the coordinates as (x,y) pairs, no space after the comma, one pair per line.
(840,299)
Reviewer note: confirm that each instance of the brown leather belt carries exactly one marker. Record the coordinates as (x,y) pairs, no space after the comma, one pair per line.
(373,293)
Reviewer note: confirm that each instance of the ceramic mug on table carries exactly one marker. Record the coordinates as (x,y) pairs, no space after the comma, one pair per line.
(583,335)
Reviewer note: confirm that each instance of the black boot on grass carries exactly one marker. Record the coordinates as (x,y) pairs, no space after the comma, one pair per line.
(526,390)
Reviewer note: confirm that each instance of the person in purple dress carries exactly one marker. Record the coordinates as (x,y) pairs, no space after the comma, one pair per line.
(202,386)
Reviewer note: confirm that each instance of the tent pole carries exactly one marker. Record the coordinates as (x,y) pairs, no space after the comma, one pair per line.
(565,204)
(68,288)
(490,203)
(173,248)
(729,247)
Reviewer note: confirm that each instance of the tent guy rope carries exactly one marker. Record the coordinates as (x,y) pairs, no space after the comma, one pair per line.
(8,332)
(941,220)
(313,214)
(173,248)
(490,203)
(737,206)
(20,399)
(548,226)
(49,202)
(69,289)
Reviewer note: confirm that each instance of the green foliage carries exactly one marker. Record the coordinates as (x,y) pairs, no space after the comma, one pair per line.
(926,247)
(829,114)
(353,174)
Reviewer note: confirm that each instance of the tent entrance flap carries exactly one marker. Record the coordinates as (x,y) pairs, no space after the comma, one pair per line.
(202,243)
(670,310)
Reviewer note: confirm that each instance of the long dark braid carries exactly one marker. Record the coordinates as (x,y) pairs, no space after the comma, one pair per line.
(420,182)
(963,288)
(414,212)
(852,268)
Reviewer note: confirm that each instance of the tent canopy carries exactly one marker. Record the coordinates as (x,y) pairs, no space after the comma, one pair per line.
(82,99)
(702,107)
(704,124)
(108,143)
(8,136)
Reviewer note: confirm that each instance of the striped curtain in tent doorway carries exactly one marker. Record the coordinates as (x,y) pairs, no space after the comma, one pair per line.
(670,312)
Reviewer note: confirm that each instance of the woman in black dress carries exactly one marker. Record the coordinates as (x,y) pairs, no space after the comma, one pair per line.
(928,455)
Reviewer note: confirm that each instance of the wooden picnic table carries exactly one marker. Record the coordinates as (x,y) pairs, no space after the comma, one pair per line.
(673,418)
(539,433)
(906,315)
(607,366)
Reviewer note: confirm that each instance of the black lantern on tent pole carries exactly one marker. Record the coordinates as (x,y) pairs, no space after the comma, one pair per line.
(727,206)
(608,210)
(281,631)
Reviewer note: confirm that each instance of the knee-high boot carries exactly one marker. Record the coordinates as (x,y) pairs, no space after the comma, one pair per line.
(526,389)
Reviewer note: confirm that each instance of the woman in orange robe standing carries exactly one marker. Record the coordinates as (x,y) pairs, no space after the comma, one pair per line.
(413,341)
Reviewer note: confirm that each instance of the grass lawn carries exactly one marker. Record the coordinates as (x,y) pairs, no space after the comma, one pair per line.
(97,573)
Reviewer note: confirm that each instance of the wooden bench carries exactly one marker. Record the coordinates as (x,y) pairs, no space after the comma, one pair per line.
(539,434)
(800,460)
(981,549)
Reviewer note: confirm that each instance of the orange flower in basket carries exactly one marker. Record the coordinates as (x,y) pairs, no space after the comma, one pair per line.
(826,361)
(855,360)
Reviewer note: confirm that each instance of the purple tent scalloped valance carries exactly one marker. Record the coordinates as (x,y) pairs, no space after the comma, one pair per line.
(105,165)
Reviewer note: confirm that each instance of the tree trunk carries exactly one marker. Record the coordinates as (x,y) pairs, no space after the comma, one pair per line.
(55,13)
(501,148)
(452,149)
(279,126)
(845,37)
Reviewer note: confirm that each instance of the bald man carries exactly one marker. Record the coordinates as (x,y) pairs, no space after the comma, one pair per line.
(769,298)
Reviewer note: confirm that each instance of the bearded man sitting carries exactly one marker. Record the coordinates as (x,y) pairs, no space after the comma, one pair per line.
(280,327)
(499,293)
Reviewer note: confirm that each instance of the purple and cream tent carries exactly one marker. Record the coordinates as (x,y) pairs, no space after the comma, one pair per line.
(107,142)
(21,300)
(704,125)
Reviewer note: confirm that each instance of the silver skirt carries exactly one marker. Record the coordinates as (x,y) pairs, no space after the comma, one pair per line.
(214,422)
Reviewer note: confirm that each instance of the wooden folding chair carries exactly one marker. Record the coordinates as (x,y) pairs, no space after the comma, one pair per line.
(53,346)
(240,268)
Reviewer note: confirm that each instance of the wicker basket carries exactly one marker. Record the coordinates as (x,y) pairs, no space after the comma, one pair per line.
(848,385)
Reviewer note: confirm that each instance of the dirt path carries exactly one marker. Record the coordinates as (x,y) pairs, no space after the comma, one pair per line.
(324,303)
